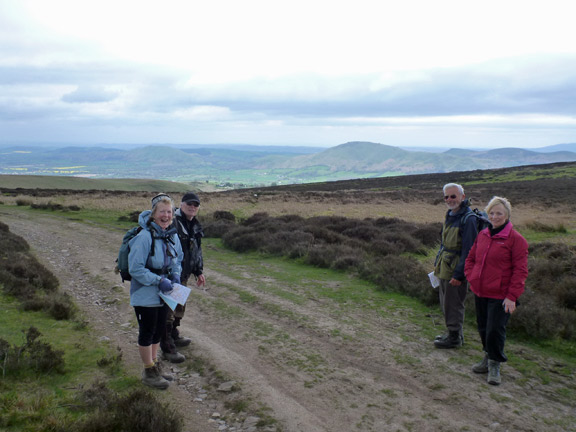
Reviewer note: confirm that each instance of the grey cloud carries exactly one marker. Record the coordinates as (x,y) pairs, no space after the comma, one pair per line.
(506,87)
(89,94)
(511,86)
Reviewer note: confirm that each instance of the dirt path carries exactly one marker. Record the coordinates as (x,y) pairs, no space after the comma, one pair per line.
(313,362)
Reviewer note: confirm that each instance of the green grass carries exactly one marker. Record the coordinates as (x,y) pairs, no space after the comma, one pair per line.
(32,401)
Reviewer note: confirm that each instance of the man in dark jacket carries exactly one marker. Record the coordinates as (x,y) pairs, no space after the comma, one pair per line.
(457,239)
(190,234)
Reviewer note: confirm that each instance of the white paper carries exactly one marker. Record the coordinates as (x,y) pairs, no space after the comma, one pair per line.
(434,280)
(177,296)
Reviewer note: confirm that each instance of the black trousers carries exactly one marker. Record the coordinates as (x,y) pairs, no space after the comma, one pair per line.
(492,321)
(151,323)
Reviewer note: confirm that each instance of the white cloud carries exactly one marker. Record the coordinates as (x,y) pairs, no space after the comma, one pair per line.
(288,72)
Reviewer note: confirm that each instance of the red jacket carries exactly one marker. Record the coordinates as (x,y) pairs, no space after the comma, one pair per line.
(497,267)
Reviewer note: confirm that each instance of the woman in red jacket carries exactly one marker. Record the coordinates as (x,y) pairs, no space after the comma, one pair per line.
(496,268)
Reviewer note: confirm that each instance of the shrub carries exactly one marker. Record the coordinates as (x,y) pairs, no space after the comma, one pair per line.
(400,274)
(566,292)
(541,227)
(384,247)
(255,218)
(137,411)
(321,256)
(362,232)
(23,277)
(403,242)
(132,217)
(218,228)
(428,235)
(284,242)
(244,239)
(32,355)
(324,235)
(538,316)
(223,215)
(49,206)
(348,258)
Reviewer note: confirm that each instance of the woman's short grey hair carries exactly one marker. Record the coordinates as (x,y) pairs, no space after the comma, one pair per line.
(453,185)
(499,200)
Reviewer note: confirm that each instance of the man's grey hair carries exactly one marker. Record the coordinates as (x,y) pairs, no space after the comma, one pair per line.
(453,185)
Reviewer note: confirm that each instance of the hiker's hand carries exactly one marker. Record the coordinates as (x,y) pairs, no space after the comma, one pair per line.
(175,278)
(201,281)
(455,282)
(509,306)
(165,286)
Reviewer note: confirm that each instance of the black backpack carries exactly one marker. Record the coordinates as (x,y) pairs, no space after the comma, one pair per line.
(482,220)
(122,260)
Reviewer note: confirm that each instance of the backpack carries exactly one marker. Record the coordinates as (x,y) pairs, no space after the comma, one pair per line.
(122,260)
(482,220)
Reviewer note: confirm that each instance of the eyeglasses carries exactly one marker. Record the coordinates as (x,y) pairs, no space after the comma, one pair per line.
(453,196)
(193,203)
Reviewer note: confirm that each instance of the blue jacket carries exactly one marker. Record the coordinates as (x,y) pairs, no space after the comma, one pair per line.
(147,270)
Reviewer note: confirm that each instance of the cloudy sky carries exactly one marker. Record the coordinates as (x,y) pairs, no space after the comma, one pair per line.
(451,73)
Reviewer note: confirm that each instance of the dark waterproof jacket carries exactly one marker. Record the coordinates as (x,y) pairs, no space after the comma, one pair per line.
(457,239)
(497,266)
(190,234)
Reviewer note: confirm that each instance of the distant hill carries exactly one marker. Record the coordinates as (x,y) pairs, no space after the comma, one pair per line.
(571,147)
(244,165)
(380,159)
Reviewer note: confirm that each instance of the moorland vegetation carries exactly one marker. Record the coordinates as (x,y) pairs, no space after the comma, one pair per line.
(36,382)
(388,243)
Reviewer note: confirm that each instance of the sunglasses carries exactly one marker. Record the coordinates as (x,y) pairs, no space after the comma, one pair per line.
(449,196)
(193,203)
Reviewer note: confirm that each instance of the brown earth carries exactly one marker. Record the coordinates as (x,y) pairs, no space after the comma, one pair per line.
(316,364)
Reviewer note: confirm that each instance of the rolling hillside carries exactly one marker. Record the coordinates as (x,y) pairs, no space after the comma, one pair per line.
(250,167)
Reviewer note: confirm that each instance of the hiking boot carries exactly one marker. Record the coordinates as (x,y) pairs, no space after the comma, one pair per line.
(482,366)
(453,340)
(173,357)
(494,372)
(164,374)
(445,335)
(440,337)
(151,377)
(180,341)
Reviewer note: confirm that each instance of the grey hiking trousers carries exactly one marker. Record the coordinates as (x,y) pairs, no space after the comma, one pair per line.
(452,303)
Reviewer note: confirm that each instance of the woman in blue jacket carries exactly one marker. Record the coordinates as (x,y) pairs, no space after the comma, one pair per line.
(154,262)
